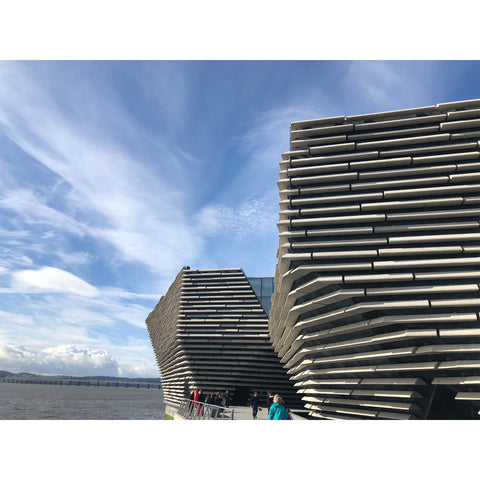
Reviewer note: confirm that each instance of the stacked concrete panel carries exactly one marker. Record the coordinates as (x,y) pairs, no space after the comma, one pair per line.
(375,309)
(210,332)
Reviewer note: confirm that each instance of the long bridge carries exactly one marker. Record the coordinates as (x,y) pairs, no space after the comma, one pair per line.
(87,383)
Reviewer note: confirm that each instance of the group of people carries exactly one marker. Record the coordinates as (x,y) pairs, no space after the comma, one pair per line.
(213,398)
(276,407)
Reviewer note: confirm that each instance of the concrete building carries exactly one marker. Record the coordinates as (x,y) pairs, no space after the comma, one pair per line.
(375,309)
(210,331)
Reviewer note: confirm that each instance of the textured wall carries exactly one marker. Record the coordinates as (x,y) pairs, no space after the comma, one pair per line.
(210,331)
(171,357)
(375,309)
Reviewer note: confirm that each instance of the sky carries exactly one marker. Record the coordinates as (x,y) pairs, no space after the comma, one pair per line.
(116,174)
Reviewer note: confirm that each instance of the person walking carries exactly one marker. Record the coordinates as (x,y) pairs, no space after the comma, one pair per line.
(254,405)
(226,399)
(270,401)
(278,411)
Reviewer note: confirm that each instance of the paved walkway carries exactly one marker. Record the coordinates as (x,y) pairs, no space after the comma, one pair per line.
(245,413)
(241,413)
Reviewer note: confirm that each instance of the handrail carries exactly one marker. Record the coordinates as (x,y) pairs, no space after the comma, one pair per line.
(195,410)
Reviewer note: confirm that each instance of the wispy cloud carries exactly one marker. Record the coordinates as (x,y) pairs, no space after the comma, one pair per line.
(16,319)
(381,85)
(32,210)
(254,216)
(268,137)
(140,215)
(50,280)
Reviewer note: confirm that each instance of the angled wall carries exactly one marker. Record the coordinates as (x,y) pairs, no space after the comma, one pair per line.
(375,309)
(210,332)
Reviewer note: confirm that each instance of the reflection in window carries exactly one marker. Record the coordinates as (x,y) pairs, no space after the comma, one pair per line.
(263,288)
(267,287)
(256,284)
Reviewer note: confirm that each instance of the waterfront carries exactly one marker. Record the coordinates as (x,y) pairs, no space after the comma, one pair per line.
(61,402)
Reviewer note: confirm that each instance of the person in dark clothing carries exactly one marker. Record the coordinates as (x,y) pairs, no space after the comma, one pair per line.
(254,405)
(218,401)
(209,401)
(201,399)
(270,400)
(226,399)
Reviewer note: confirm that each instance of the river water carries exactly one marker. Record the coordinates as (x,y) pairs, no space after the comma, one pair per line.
(19,401)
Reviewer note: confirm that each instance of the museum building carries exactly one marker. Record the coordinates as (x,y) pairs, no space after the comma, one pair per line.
(210,331)
(375,311)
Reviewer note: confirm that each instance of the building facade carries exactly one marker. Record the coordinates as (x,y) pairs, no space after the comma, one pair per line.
(375,311)
(210,331)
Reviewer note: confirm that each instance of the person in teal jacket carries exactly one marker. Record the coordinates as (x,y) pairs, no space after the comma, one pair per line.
(278,411)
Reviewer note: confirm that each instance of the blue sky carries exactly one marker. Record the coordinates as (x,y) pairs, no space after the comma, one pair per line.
(114,175)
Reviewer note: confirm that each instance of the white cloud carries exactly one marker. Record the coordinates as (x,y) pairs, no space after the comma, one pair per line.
(63,359)
(140,370)
(118,293)
(50,280)
(69,360)
(76,258)
(11,354)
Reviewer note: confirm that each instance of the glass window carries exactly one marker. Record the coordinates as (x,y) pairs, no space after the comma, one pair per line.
(263,288)
(256,284)
(267,287)
(267,304)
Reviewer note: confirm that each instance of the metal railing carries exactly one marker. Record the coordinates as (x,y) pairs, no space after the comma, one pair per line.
(191,410)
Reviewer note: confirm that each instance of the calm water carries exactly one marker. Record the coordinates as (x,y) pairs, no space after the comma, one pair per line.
(19,401)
